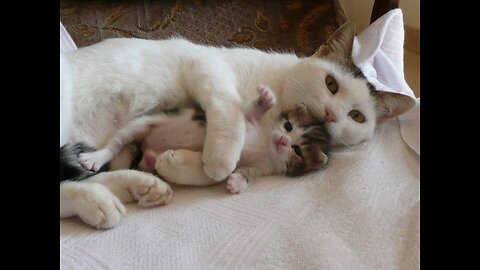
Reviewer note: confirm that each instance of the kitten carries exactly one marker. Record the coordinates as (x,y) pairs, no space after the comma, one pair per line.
(292,143)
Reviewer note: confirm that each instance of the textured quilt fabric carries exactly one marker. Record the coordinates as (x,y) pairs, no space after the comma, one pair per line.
(362,212)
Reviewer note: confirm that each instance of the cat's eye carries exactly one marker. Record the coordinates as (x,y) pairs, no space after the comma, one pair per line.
(332,84)
(288,126)
(297,150)
(357,116)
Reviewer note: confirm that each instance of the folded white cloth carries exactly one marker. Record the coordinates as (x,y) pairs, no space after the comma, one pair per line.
(66,42)
(378,52)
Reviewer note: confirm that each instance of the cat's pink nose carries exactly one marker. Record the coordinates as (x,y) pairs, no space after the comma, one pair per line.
(282,140)
(330,115)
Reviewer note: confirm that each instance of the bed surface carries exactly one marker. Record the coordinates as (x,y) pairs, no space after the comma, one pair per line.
(362,212)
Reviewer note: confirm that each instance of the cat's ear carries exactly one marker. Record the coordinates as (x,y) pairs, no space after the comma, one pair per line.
(390,105)
(339,45)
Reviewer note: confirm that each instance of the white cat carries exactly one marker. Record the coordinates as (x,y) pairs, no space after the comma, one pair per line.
(118,80)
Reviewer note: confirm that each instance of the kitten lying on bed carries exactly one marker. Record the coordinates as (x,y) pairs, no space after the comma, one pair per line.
(292,143)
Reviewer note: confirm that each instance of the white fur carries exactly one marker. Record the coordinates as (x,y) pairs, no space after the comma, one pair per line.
(98,200)
(117,80)
(160,133)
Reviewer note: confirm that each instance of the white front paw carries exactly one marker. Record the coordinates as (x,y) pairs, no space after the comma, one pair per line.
(236,183)
(218,165)
(98,207)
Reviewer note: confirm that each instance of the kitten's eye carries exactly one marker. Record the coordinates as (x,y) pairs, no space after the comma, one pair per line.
(288,126)
(331,84)
(357,116)
(297,150)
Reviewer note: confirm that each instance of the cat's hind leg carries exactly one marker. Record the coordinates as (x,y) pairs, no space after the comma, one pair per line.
(183,167)
(95,204)
(131,185)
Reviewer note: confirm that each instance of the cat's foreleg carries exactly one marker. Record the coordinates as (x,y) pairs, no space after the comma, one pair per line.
(243,177)
(183,167)
(212,84)
(135,130)
(262,104)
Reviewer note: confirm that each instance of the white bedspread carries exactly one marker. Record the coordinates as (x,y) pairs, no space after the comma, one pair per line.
(362,212)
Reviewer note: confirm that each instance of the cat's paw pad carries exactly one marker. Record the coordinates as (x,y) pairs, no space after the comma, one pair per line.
(93,161)
(267,98)
(151,191)
(236,183)
(98,207)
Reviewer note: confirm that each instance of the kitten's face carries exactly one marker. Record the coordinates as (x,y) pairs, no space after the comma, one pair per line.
(298,142)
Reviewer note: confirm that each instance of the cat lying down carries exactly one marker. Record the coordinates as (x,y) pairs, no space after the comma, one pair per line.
(292,143)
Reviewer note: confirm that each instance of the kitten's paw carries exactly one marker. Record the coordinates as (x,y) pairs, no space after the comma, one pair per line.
(93,161)
(169,158)
(99,207)
(267,98)
(167,163)
(236,183)
(150,191)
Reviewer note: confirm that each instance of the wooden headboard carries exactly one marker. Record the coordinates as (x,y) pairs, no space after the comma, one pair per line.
(299,26)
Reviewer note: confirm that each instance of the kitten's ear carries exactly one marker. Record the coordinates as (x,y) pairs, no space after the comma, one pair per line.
(301,110)
(339,45)
(318,161)
(390,105)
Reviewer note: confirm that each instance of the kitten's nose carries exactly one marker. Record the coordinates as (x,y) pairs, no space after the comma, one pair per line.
(330,115)
(282,140)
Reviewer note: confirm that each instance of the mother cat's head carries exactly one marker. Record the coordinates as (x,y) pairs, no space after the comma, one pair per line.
(333,88)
